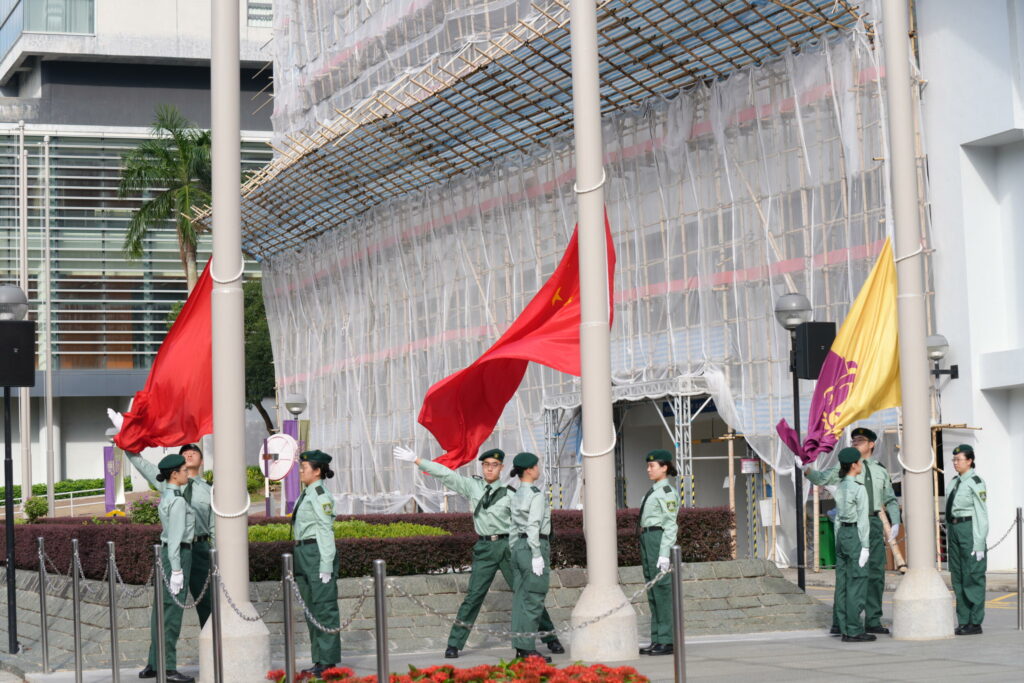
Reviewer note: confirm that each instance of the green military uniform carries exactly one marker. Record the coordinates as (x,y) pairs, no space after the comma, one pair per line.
(175,555)
(853,535)
(315,554)
(491,520)
(658,527)
(528,538)
(878,487)
(198,494)
(967,534)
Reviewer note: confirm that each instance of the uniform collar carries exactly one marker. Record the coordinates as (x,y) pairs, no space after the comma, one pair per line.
(172,487)
(656,484)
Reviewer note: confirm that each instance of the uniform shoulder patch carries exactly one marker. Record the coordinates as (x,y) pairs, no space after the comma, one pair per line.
(977,479)
(535,489)
(177,493)
(478,477)
(319,490)
(667,489)
(859,483)
(511,488)
(878,464)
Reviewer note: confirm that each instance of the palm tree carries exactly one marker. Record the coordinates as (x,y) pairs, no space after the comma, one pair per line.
(172,170)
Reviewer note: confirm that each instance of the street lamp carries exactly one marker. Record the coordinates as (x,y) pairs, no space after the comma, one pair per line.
(296,404)
(793,310)
(17,369)
(937,348)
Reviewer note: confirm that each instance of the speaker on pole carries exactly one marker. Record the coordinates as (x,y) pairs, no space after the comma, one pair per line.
(813,342)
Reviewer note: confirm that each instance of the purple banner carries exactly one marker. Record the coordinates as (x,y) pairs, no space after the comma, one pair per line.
(111,471)
(830,393)
(291,481)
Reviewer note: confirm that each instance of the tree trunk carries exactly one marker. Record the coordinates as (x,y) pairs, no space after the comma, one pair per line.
(266,417)
(190,269)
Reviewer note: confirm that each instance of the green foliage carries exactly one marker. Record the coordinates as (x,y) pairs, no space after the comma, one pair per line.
(254,479)
(63,489)
(36,507)
(145,510)
(208,476)
(349,529)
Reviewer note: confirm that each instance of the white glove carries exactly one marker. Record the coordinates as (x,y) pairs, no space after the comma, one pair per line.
(894,532)
(799,463)
(404,454)
(663,564)
(116,418)
(864,555)
(538,566)
(177,582)
(980,555)
(325,578)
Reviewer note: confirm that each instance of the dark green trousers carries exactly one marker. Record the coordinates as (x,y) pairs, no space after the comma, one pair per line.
(488,558)
(197,579)
(967,573)
(851,582)
(322,601)
(875,585)
(659,597)
(528,592)
(172,614)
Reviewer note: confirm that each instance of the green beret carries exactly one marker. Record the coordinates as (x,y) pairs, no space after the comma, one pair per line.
(525,461)
(660,456)
(865,432)
(319,457)
(172,461)
(848,456)
(495,453)
(963,448)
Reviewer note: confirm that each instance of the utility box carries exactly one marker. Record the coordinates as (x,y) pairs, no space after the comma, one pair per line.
(826,542)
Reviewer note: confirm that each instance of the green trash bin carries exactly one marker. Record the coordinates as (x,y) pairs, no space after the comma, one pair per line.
(826,542)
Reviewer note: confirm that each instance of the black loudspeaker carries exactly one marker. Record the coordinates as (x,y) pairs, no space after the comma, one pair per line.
(813,341)
(17,353)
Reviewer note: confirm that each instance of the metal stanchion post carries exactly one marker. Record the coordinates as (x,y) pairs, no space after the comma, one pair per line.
(44,626)
(218,653)
(115,658)
(289,618)
(381,618)
(158,597)
(1020,571)
(678,654)
(76,610)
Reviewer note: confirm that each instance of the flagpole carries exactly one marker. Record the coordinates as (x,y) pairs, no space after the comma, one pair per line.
(614,638)
(922,608)
(245,645)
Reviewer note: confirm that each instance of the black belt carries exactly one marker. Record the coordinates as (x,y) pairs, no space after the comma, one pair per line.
(186,546)
(205,538)
(847,523)
(645,529)
(493,537)
(305,541)
(543,536)
(957,520)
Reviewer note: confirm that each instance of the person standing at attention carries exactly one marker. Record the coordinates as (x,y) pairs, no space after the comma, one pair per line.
(966,536)
(852,551)
(657,522)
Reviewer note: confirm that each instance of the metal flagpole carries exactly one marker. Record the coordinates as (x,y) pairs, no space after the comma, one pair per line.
(614,638)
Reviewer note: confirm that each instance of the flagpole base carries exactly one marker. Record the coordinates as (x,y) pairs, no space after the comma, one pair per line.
(922,607)
(245,647)
(612,639)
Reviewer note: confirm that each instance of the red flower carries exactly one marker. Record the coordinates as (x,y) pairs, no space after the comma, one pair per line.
(337,673)
(275,675)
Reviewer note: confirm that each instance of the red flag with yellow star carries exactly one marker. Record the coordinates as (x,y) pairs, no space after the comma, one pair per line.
(462,409)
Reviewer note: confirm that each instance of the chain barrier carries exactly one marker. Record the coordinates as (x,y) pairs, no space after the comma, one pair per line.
(367,589)
(167,584)
(132,593)
(988,549)
(245,617)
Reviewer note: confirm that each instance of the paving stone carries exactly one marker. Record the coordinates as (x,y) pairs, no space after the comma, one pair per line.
(744,601)
(726,570)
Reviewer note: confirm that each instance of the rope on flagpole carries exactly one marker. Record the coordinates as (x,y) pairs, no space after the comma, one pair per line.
(605,451)
(929,468)
(577,190)
(241,269)
(244,510)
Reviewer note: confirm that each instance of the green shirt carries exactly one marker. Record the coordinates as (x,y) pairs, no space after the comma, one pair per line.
(178,521)
(201,493)
(489,502)
(531,516)
(970,500)
(881,492)
(314,518)
(852,506)
(660,507)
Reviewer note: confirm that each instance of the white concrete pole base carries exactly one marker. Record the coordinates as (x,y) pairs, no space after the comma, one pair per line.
(922,607)
(614,638)
(245,646)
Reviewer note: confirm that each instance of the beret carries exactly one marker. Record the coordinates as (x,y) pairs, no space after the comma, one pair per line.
(848,456)
(318,457)
(963,448)
(865,432)
(172,461)
(525,461)
(660,456)
(495,453)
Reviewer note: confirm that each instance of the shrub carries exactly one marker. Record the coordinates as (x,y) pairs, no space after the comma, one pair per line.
(347,529)
(145,510)
(66,487)
(254,479)
(36,507)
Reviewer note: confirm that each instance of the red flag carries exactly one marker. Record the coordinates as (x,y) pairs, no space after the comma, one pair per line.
(462,409)
(176,405)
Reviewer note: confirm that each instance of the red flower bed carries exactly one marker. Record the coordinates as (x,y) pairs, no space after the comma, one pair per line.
(531,670)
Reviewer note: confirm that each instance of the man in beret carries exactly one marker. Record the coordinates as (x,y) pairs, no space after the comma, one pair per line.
(489,500)
(966,537)
(876,480)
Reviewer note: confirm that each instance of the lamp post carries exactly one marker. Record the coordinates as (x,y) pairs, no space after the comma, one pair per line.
(296,405)
(793,310)
(17,369)
(937,348)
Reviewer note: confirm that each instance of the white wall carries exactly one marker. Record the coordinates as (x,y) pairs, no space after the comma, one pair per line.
(974,135)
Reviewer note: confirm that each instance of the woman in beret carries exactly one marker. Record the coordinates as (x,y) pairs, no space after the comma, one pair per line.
(657,522)
(528,543)
(852,548)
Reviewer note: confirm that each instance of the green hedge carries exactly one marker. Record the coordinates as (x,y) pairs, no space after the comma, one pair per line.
(262,533)
(66,487)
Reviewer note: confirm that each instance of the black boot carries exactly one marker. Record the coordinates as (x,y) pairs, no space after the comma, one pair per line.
(178,677)
(661,649)
(881,630)
(859,638)
(556,647)
(148,672)
(451,653)
(834,631)
(647,650)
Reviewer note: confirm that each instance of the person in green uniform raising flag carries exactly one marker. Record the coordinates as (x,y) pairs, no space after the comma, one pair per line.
(490,500)
(176,559)
(198,494)
(966,536)
(852,551)
(316,559)
(878,486)
(528,543)
(657,530)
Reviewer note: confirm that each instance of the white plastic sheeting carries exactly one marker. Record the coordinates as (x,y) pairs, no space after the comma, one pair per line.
(719,200)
